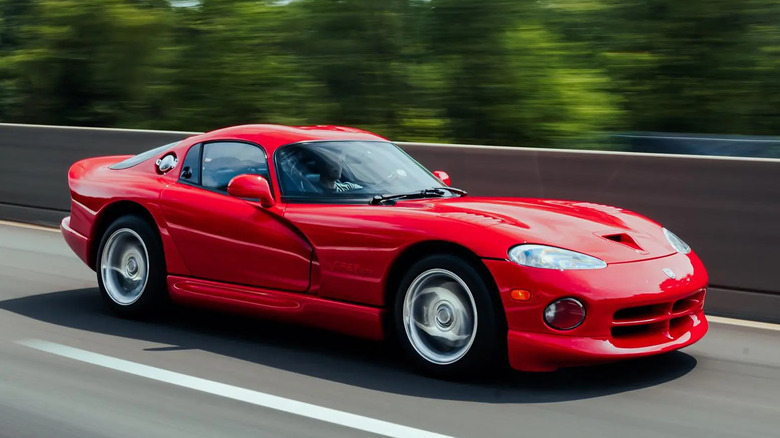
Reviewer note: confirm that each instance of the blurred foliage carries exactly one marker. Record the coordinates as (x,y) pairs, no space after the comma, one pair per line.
(532,73)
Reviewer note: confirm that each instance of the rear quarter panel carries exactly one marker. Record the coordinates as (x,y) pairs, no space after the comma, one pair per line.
(96,190)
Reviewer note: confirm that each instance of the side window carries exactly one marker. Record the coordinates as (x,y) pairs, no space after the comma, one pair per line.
(190,170)
(222,161)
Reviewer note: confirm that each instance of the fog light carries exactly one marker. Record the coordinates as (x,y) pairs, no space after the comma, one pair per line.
(564,314)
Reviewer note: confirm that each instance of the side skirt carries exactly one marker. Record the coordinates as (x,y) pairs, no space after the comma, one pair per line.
(347,318)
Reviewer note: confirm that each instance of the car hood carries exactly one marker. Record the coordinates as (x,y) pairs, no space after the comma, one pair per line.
(609,233)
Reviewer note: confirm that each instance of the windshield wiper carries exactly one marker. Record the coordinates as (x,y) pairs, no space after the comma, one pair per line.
(425,193)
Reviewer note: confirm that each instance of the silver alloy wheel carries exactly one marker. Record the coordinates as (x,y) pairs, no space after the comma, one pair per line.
(440,316)
(124,266)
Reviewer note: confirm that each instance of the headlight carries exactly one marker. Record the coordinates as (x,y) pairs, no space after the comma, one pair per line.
(676,242)
(548,257)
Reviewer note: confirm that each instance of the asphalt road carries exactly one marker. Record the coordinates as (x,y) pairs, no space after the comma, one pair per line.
(727,385)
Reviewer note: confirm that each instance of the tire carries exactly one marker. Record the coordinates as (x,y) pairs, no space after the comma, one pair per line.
(445,318)
(131,269)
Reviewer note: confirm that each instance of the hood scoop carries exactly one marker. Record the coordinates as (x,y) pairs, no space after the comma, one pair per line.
(625,239)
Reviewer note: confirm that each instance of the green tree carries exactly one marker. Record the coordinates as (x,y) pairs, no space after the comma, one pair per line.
(512,80)
(541,73)
(354,50)
(683,66)
(229,64)
(13,16)
(82,61)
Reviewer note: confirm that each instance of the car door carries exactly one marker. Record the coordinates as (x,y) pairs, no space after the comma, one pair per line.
(227,239)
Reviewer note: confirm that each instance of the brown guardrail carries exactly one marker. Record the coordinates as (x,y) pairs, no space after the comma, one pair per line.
(727,209)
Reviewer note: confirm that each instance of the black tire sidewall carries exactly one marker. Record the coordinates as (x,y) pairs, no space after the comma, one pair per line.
(484,350)
(155,294)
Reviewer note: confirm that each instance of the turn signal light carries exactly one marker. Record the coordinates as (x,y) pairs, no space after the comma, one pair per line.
(520,295)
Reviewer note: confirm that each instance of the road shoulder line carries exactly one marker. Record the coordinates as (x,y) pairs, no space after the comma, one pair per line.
(744,323)
(257,398)
(29,226)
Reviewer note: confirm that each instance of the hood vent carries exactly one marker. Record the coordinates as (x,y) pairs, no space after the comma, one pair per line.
(625,239)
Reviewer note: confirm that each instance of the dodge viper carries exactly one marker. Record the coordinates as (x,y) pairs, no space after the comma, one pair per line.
(340,229)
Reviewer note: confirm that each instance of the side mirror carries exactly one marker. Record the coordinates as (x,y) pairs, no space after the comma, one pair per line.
(443,176)
(252,187)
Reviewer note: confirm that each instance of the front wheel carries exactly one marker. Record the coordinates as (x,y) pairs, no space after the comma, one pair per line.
(131,268)
(445,317)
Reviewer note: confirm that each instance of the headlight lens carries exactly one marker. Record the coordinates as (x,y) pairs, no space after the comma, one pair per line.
(676,242)
(564,314)
(549,257)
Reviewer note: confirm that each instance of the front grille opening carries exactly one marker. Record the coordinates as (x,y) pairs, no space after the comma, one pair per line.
(640,313)
(639,330)
(678,326)
(684,305)
(693,302)
(630,330)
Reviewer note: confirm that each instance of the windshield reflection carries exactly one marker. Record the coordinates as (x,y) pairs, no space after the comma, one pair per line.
(353,169)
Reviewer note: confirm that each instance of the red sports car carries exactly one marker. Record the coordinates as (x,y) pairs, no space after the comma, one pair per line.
(338,228)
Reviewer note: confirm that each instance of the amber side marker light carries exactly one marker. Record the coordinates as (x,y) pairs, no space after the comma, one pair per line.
(520,295)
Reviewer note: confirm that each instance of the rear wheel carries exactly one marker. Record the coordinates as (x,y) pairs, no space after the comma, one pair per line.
(131,268)
(445,317)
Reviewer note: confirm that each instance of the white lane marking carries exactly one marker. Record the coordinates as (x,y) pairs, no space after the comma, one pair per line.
(29,226)
(328,415)
(744,323)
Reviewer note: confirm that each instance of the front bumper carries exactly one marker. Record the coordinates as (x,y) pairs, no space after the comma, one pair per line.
(632,310)
(548,352)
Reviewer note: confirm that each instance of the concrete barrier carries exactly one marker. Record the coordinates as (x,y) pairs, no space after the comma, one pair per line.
(727,209)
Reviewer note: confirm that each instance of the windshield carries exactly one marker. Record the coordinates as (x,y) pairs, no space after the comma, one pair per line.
(349,169)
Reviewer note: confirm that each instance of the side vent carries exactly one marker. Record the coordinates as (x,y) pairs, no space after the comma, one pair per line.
(625,239)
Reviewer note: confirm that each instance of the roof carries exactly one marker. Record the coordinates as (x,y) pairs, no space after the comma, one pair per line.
(273,136)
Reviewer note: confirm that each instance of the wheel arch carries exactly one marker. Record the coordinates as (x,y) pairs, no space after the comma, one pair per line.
(108,215)
(410,255)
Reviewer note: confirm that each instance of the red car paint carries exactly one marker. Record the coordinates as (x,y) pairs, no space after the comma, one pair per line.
(329,265)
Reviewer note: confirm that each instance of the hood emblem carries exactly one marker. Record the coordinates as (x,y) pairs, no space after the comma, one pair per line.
(669,273)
